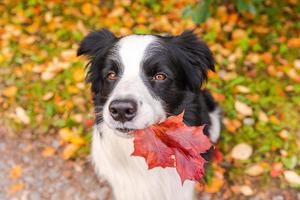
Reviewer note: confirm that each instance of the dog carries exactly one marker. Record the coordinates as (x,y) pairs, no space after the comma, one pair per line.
(137,81)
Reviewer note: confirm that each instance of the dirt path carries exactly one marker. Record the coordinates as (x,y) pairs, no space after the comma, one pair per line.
(44,178)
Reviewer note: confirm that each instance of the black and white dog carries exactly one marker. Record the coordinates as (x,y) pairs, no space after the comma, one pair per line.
(139,80)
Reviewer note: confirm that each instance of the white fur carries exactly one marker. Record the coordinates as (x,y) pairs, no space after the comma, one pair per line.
(215,128)
(129,175)
(150,110)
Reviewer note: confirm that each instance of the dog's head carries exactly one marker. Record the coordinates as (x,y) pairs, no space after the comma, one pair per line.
(139,80)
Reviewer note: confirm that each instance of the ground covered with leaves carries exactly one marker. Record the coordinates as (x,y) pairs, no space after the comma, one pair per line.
(257,82)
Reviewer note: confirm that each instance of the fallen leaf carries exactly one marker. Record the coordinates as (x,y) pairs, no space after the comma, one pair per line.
(248,121)
(69,151)
(68,135)
(283,134)
(218,96)
(292,177)
(294,75)
(297,64)
(68,55)
(238,34)
(243,108)
(267,57)
(242,89)
(293,43)
(77,140)
(89,123)
(253,58)
(263,117)
(289,88)
(22,115)
(48,96)
(78,74)
(232,124)
(47,75)
(241,151)
(87,9)
(215,186)
(48,152)
(274,119)
(246,190)
(10,91)
(199,187)
(16,172)
(15,188)
(254,170)
(65,134)
(254,97)
(243,189)
(276,169)
(173,144)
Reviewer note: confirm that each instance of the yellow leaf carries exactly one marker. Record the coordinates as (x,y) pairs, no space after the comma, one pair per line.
(48,152)
(78,74)
(293,43)
(87,9)
(77,140)
(215,186)
(66,134)
(72,89)
(10,91)
(16,172)
(239,34)
(69,151)
(15,188)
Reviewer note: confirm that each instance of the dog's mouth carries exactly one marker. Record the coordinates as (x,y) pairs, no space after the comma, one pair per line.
(126,130)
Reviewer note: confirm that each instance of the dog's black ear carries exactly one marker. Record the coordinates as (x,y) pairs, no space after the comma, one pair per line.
(196,58)
(96,42)
(96,45)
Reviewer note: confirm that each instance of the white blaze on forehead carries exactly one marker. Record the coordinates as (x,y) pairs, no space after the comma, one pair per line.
(132,51)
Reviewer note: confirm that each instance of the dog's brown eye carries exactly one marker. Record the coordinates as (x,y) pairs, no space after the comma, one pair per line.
(159,77)
(112,76)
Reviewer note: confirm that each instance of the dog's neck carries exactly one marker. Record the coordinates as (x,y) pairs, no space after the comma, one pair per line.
(129,175)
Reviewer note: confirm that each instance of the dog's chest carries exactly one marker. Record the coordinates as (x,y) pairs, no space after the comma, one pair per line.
(129,175)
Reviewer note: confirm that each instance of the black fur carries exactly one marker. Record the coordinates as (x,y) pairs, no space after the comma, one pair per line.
(185,60)
(192,55)
(97,46)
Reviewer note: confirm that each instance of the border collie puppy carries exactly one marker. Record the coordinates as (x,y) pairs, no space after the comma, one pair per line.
(137,81)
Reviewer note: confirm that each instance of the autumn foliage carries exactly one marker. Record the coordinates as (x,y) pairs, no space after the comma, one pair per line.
(256,47)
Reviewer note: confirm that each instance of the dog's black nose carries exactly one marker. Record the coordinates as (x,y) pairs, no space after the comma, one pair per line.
(123,110)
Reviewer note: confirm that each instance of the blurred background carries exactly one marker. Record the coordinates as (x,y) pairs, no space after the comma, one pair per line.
(46,111)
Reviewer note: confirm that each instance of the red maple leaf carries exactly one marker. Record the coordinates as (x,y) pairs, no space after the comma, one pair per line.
(173,144)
